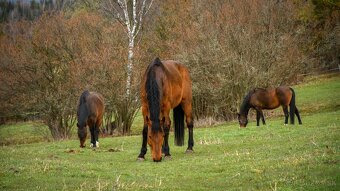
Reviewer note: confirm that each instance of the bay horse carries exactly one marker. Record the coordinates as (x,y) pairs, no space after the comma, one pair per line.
(165,85)
(90,113)
(271,98)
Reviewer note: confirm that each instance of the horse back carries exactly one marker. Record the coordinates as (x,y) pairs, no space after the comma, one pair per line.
(264,98)
(178,82)
(173,81)
(271,98)
(284,94)
(95,103)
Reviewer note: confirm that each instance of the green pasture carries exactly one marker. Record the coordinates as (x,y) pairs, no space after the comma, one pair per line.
(271,157)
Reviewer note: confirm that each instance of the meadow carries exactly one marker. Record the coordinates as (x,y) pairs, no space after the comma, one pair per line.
(270,157)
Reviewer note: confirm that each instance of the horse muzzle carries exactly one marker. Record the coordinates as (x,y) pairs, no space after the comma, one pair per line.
(157,160)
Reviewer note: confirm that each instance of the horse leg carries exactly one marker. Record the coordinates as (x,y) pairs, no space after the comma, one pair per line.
(166,148)
(92,130)
(285,111)
(298,115)
(258,116)
(187,108)
(262,116)
(144,144)
(96,134)
(96,131)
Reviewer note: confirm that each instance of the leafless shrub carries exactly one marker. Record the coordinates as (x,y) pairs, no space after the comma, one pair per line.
(230,48)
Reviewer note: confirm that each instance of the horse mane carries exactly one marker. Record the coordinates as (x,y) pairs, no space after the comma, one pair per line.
(153,94)
(83,97)
(82,111)
(245,106)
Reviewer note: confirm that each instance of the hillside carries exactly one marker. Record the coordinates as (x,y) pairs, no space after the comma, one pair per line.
(271,157)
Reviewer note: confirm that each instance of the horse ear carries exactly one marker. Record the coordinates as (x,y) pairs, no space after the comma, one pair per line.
(157,61)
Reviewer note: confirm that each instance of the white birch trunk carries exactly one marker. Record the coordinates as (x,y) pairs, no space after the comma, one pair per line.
(129,65)
(133,26)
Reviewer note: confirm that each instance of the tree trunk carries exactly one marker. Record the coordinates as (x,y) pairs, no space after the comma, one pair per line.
(129,65)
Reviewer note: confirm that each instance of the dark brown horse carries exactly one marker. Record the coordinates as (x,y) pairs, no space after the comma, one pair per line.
(260,99)
(166,85)
(90,113)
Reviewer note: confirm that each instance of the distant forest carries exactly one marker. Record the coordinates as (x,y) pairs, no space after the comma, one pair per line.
(28,9)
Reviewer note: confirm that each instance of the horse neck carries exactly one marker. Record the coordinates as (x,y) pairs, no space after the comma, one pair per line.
(245,106)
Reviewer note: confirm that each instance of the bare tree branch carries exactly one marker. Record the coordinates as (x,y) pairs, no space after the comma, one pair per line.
(132,20)
(141,14)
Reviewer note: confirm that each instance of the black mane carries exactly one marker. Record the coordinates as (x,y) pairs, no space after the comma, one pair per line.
(83,97)
(82,112)
(245,106)
(153,95)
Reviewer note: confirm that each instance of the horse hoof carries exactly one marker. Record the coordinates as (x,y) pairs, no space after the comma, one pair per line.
(189,151)
(94,146)
(285,124)
(140,159)
(168,157)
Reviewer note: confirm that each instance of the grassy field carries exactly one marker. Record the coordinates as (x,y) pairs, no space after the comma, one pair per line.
(271,157)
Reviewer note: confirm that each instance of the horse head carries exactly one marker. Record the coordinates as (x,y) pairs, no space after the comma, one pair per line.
(155,139)
(82,134)
(242,120)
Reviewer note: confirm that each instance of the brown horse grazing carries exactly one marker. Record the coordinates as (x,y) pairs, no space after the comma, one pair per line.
(90,113)
(259,99)
(166,85)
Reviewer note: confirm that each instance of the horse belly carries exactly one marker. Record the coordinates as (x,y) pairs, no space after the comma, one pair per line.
(272,104)
(266,103)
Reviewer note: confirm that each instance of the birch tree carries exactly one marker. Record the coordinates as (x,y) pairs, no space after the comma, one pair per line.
(130,14)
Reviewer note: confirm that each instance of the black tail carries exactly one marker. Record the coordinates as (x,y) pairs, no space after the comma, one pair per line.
(153,95)
(179,125)
(292,107)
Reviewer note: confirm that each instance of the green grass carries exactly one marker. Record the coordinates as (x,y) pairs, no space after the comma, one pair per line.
(319,94)
(23,133)
(271,157)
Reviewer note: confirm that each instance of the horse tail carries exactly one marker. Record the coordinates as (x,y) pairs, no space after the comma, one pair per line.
(292,107)
(153,94)
(179,125)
